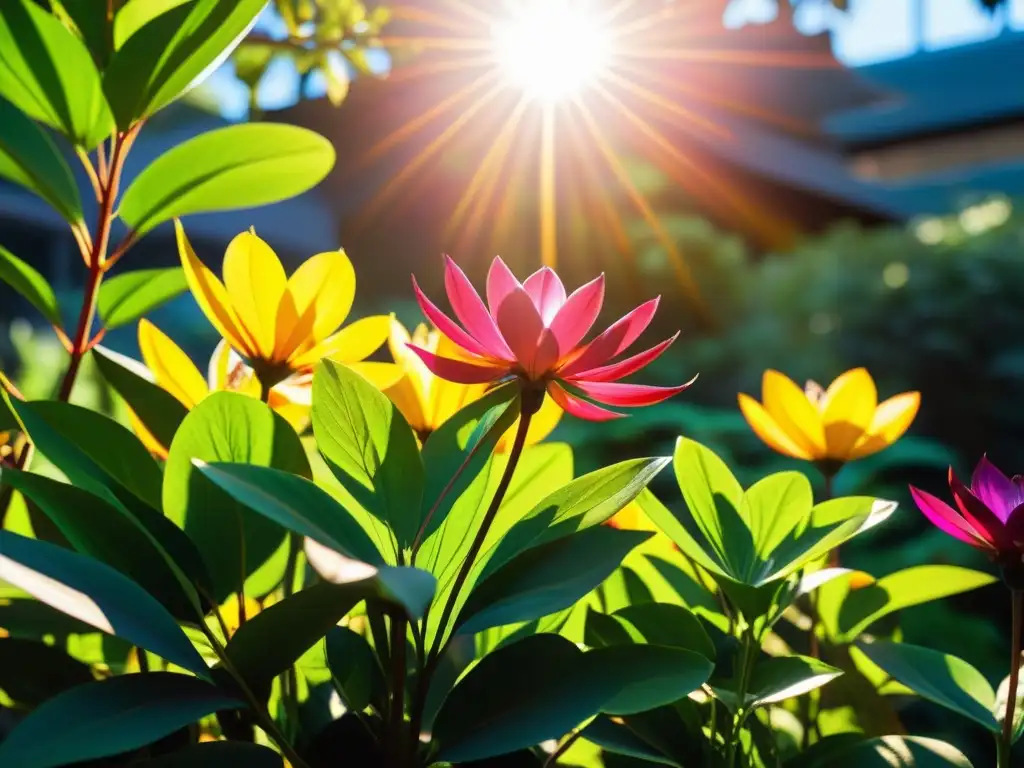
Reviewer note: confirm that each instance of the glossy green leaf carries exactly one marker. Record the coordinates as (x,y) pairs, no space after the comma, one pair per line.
(370,447)
(672,524)
(943,679)
(127,297)
(25,280)
(28,157)
(456,454)
(773,507)
(665,624)
(88,20)
(32,671)
(48,73)
(297,504)
(218,754)
(903,589)
(170,52)
(136,14)
(585,502)
(547,578)
(96,594)
(646,676)
(354,669)
(159,410)
(232,539)
(621,740)
(104,532)
(241,166)
(883,752)
(272,640)
(713,496)
(110,716)
(786,677)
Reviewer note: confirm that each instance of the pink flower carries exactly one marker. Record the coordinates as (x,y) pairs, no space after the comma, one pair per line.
(534,332)
(991,512)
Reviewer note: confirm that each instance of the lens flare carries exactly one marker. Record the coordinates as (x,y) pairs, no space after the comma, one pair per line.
(552,49)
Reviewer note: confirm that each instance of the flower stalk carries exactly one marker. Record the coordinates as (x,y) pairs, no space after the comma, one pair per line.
(1006,741)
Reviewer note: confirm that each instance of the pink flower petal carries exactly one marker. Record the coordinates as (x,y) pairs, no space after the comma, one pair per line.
(577,315)
(995,490)
(578,407)
(500,283)
(619,336)
(446,325)
(456,370)
(547,292)
(945,518)
(470,309)
(625,367)
(628,395)
(522,328)
(983,520)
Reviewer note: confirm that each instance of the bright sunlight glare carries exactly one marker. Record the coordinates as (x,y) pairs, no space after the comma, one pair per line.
(551,48)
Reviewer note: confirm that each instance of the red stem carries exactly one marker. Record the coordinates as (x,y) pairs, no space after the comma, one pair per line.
(1011,693)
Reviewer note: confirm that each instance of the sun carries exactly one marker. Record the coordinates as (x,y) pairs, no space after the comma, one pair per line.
(552,49)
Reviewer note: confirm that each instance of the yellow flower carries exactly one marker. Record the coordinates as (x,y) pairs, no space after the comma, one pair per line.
(428,401)
(842,423)
(5,445)
(167,365)
(282,325)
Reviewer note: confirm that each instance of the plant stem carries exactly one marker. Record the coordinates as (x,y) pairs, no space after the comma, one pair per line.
(812,704)
(397,709)
(1017,598)
(265,720)
(564,747)
(750,647)
(289,681)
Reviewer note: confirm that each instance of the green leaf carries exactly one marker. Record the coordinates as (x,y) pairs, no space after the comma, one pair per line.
(28,157)
(714,497)
(170,52)
(671,524)
(96,594)
(48,74)
(94,451)
(370,448)
(585,502)
(241,166)
(138,13)
(111,716)
(547,578)
(646,676)
(272,640)
(127,297)
(232,539)
(621,740)
(102,531)
(938,677)
(543,686)
(885,752)
(218,754)
(87,19)
(25,280)
(355,669)
(786,677)
(999,708)
(665,624)
(455,455)
(297,504)
(32,672)
(773,507)
(159,410)
(912,586)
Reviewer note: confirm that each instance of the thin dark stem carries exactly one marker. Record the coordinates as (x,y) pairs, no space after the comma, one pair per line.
(398,673)
(564,747)
(289,680)
(812,704)
(1011,694)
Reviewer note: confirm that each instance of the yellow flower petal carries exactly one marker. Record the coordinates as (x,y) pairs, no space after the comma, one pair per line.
(217,370)
(764,427)
(892,418)
(382,375)
(794,414)
(406,397)
(318,299)
(211,296)
(847,409)
(445,398)
(255,281)
(146,437)
(171,367)
(295,413)
(351,344)
(542,424)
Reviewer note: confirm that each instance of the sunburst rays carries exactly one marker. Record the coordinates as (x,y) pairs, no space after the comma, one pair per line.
(662,82)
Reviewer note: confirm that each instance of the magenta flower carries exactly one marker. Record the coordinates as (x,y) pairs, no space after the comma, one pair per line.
(991,512)
(534,332)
